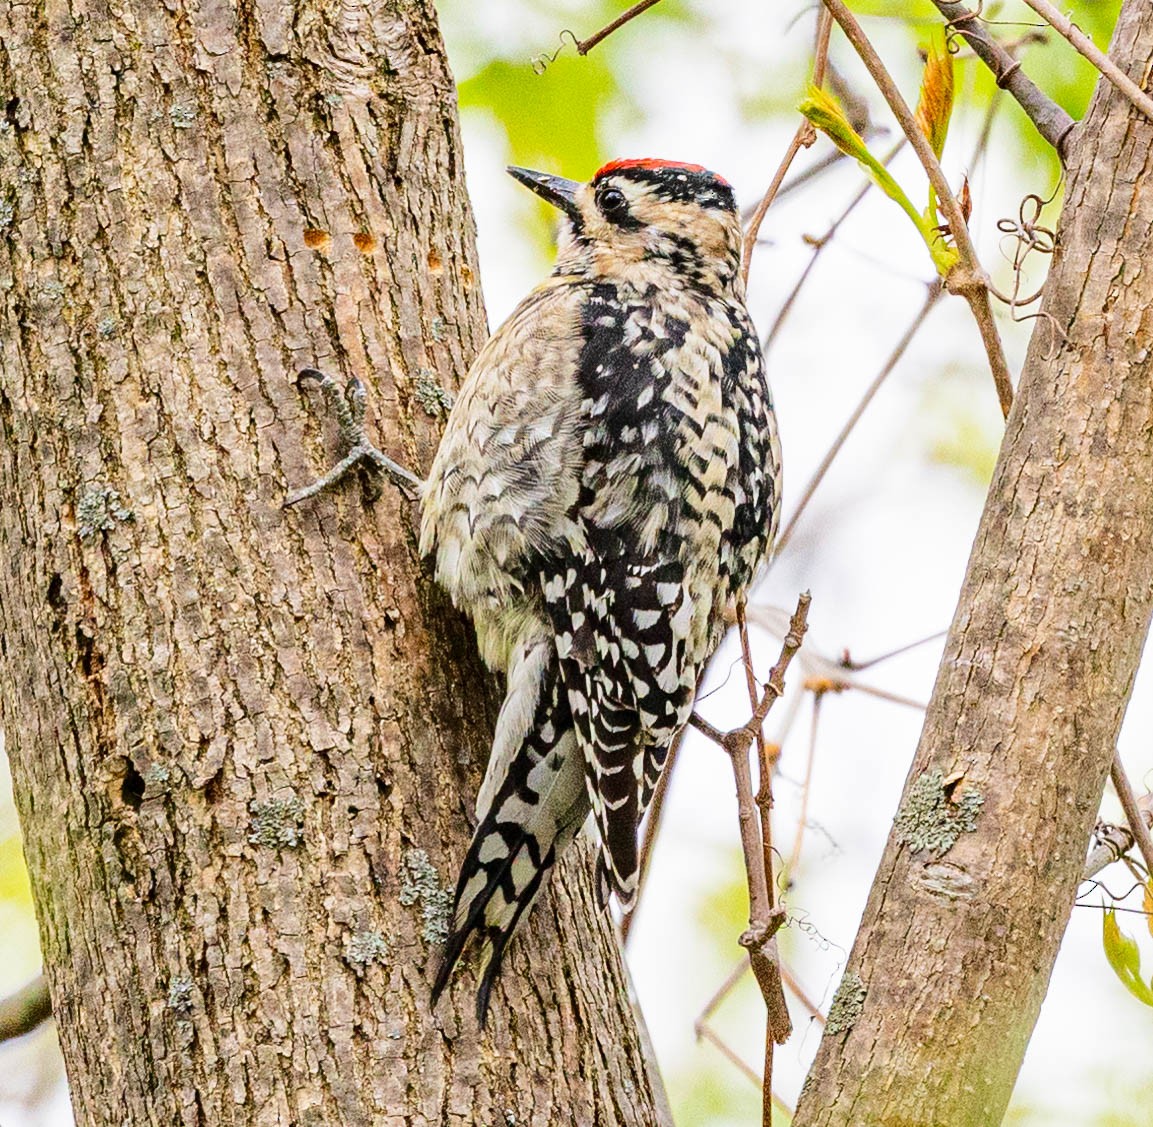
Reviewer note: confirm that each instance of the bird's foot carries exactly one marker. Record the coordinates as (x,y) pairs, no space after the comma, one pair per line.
(347,404)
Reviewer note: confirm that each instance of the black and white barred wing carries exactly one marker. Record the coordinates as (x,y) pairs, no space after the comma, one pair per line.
(630,690)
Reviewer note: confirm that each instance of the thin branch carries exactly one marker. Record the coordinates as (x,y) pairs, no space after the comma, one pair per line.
(652,828)
(847,661)
(798,992)
(967,278)
(23,1011)
(764,920)
(886,695)
(1133,813)
(764,800)
(831,454)
(584,46)
(802,139)
(734,976)
(819,244)
(1085,46)
(806,787)
(765,789)
(856,110)
(804,136)
(1050,120)
(706,1032)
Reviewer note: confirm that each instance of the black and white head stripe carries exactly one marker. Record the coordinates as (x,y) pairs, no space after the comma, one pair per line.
(674,181)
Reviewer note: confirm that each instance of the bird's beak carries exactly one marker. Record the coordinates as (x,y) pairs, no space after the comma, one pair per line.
(558,191)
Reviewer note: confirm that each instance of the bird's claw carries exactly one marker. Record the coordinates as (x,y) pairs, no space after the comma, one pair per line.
(348,405)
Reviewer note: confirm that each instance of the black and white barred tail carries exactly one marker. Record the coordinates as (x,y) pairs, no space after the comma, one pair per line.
(533,802)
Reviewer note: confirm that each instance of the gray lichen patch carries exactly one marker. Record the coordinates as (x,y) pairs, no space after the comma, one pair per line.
(277,823)
(435,399)
(180,995)
(364,948)
(846,1005)
(158,775)
(421,883)
(100,510)
(931,818)
(182,115)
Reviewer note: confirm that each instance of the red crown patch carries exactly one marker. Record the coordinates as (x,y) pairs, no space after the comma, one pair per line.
(651,163)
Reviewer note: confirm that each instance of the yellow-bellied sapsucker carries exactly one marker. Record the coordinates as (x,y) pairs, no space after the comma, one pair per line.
(608,482)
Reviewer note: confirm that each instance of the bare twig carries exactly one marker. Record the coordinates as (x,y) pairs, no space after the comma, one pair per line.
(706,1031)
(891,697)
(819,244)
(831,454)
(764,920)
(765,780)
(1050,120)
(847,661)
(806,786)
(1085,46)
(967,278)
(1133,813)
(652,828)
(584,46)
(23,1011)
(764,800)
(722,991)
(799,993)
(804,136)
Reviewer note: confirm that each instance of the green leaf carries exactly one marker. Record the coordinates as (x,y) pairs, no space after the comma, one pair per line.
(551,119)
(1125,958)
(826,114)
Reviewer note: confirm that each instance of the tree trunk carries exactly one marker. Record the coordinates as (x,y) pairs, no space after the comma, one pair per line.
(976,885)
(244,740)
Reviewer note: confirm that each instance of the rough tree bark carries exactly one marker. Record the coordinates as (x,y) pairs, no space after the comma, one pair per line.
(244,740)
(962,926)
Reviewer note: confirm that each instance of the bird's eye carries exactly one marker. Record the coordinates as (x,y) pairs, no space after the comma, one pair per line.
(613,202)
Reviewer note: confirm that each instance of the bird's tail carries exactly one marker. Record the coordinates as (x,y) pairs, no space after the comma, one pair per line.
(531,806)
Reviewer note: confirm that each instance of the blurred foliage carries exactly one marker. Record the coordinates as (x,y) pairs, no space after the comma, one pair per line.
(1129,1105)
(715,1095)
(561,107)
(714,1092)
(957,425)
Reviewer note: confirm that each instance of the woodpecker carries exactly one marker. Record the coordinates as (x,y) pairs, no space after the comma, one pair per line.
(608,482)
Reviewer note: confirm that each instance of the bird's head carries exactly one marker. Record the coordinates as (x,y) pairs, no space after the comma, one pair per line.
(645,221)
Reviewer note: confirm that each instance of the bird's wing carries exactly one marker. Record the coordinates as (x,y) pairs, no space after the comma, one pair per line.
(507,473)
